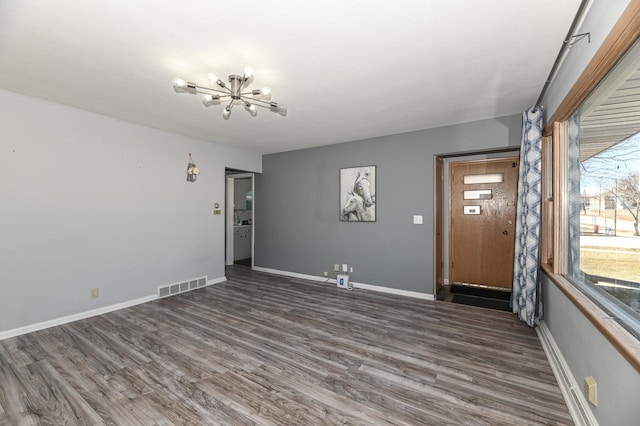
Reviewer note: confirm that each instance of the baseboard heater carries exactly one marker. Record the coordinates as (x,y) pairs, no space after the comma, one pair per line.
(167,290)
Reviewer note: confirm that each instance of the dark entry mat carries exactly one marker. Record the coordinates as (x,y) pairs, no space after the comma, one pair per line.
(245,262)
(480,292)
(482,302)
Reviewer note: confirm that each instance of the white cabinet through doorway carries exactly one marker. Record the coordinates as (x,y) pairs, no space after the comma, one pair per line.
(241,242)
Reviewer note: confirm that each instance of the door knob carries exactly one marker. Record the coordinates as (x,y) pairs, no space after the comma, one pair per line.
(505,232)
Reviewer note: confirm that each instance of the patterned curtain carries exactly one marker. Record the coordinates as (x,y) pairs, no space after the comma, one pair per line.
(574,196)
(526,299)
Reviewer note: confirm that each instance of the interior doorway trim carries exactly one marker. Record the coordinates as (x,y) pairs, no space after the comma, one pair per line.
(229,213)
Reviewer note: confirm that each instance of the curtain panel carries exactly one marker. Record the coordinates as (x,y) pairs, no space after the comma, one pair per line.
(526,299)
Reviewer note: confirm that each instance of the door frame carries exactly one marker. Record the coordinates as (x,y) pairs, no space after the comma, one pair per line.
(438,217)
(441,245)
(230,180)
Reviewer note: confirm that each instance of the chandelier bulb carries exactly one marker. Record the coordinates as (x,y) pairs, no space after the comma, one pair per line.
(251,109)
(266,93)
(213,80)
(278,108)
(209,100)
(226,113)
(248,73)
(179,85)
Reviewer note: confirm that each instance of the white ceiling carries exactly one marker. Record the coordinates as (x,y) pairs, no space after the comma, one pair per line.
(346,69)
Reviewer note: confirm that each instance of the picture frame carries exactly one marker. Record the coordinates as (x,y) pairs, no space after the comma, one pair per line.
(358,194)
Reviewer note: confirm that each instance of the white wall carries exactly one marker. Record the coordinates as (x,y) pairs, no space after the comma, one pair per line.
(91,201)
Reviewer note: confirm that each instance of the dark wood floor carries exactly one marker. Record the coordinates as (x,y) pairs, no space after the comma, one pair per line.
(267,350)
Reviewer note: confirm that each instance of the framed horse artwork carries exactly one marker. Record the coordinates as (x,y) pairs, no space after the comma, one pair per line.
(358,194)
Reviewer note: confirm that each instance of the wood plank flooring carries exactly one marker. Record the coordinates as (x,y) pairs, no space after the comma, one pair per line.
(270,350)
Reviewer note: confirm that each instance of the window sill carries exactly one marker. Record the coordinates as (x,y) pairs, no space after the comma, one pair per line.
(620,338)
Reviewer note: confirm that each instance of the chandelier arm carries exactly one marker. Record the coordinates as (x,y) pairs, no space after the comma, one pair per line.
(223,99)
(263,106)
(225,91)
(267,104)
(221,95)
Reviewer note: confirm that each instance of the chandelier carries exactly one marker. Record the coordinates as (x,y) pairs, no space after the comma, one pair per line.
(235,93)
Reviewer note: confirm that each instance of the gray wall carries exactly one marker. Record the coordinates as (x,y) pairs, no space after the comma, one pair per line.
(589,353)
(586,351)
(296,218)
(91,201)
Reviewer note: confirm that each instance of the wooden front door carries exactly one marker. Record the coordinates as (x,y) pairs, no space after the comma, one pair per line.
(482,221)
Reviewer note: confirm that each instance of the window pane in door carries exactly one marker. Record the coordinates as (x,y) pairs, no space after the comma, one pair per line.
(483,178)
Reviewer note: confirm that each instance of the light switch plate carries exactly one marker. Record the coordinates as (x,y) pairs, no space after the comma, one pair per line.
(417,219)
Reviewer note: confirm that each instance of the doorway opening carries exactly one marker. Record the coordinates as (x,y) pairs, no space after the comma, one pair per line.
(469,266)
(239,218)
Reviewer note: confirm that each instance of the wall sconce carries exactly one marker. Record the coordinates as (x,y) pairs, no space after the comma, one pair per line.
(192,170)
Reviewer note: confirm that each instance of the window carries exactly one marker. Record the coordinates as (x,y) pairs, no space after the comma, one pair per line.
(603,194)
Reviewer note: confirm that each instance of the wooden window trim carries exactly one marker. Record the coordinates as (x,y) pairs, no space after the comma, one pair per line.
(560,187)
(619,337)
(547,254)
(623,35)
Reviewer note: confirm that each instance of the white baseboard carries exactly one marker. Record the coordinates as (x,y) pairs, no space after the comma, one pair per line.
(75,317)
(571,391)
(381,289)
(294,274)
(216,281)
(363,286)
(87,314)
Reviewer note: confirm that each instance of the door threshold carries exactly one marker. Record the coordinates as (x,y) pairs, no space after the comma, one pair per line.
(484,287)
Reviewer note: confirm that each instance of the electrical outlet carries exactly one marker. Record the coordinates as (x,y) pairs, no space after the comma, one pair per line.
(326,274)
(95,293)
(336,268)
(351,270)
(344,268)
